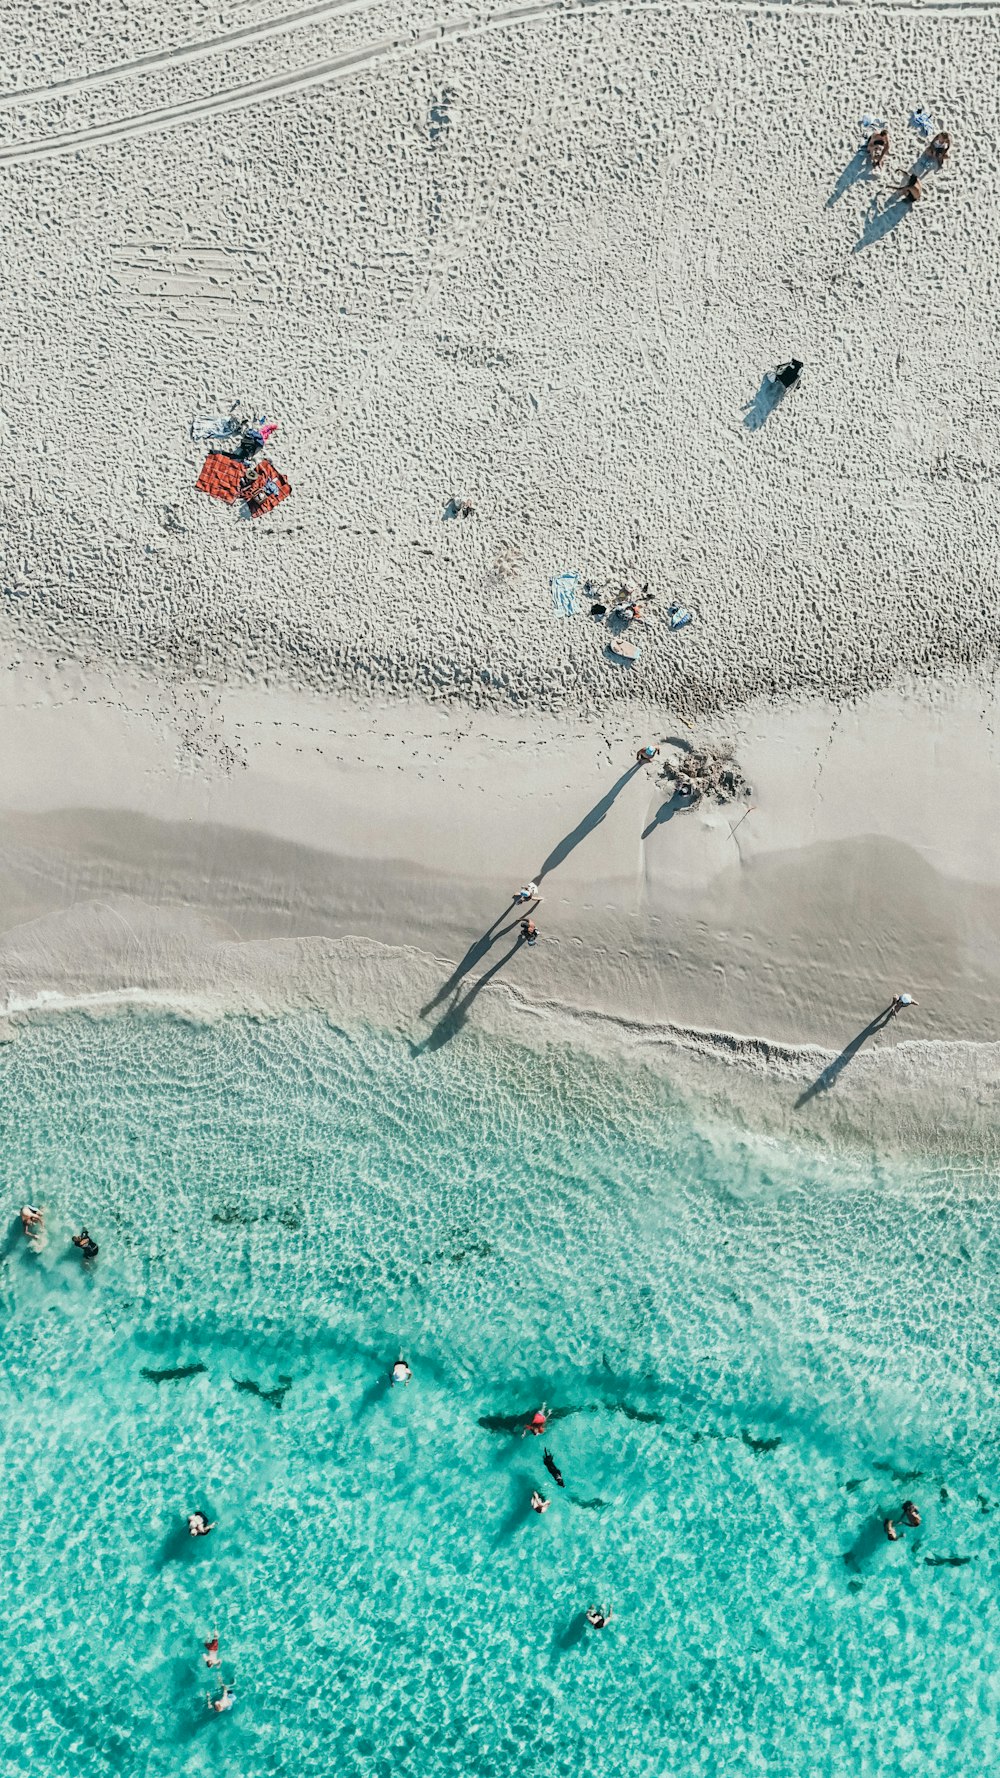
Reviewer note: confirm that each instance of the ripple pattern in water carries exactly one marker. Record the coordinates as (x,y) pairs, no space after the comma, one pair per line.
(752,1357)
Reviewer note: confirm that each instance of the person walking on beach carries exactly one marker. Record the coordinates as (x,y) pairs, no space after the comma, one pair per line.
(539,1504)
(529,932)
(899,1001)
(938,150)
(787,374)
(528,893)
(646,755)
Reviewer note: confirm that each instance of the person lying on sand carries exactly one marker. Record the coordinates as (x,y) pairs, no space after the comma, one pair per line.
(877,147)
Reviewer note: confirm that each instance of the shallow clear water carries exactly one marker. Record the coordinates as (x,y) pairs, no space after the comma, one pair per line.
(750,1353)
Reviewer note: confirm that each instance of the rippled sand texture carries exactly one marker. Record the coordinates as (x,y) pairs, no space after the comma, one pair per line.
(750,1358)
(542,257)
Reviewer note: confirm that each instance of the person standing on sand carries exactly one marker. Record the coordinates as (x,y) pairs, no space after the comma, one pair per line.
(646,755)
(898,1003)
(910,192)
(528,893)
(937,151)
(529,932)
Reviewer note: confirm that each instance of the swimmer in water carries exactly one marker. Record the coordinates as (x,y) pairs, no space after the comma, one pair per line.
(401,1372)
(87,1246)
(911,1513)
(539,1504)
(199,1525)
(225,1699)
(212,1655)
(537,1424)
(598,1618)
(890,1530)
(553,1469)
(33,1225)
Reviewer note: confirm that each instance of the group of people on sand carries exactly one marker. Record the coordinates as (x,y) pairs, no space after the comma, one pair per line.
(33,1225)
(934,155)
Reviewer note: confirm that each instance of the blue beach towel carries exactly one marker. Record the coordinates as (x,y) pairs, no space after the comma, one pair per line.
(564,590)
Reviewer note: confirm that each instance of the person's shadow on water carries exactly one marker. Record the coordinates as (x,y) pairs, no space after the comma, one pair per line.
(474,955)
(521,1510)
(592,819)
(457,1015)
(832,1072)
(569,1637)
(180,1546)
(869,1540)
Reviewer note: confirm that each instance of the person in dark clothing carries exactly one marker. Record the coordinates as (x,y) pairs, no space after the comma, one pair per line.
(553,1469)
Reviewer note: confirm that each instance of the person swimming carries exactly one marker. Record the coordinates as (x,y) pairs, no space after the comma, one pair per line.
(224,1699)
(911,1513)
(889,1526)
(401,1372)
(199,1525)
(539,1504)
(86,1244)
(537,1424)
(598,1618)
(212,1655)
(553,1469)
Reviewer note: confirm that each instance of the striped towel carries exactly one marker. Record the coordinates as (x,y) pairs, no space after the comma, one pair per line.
(564,590)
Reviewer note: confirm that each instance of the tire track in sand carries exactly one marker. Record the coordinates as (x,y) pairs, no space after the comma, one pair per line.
(342,67)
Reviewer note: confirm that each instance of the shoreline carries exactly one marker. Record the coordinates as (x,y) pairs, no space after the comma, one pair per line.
(222,850)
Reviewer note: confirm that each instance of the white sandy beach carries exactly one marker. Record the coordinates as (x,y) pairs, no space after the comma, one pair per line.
(541,257)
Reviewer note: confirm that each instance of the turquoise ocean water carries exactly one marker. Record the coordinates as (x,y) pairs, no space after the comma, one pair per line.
(752,1355)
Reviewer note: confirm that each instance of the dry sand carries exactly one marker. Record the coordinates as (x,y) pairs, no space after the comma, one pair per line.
(541,256)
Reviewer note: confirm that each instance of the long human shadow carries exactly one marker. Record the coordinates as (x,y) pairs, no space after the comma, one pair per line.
(457,1015)
(855,169)
(880,223)
(473,955)
(830,1074)
(769,396)
(593,819)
